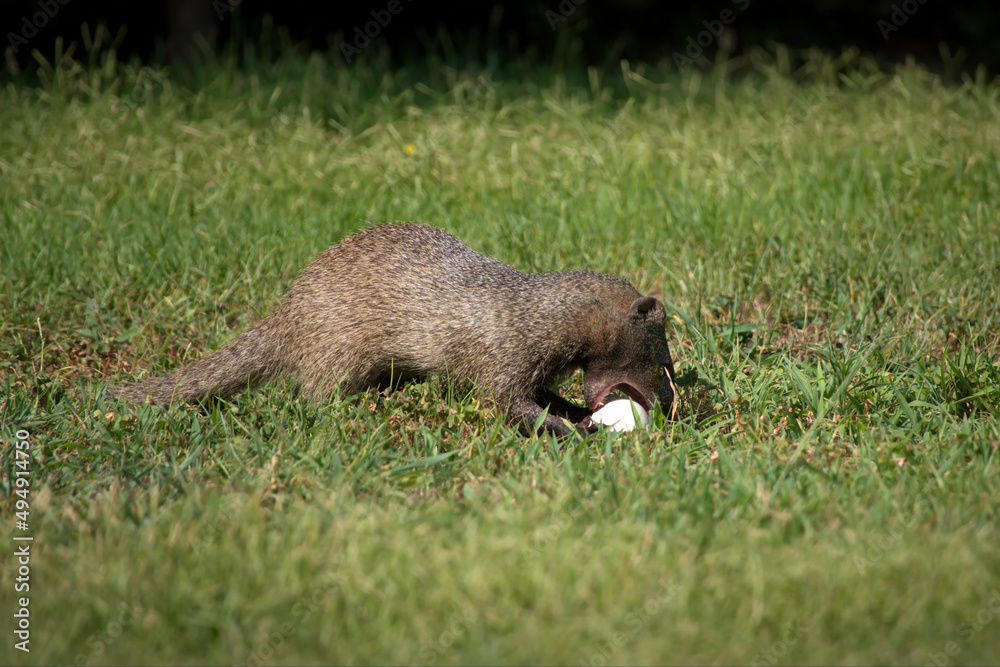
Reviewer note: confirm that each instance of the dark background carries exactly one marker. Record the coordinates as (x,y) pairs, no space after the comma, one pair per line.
(597,32)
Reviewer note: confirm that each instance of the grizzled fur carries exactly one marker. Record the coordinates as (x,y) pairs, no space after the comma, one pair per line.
(405,301)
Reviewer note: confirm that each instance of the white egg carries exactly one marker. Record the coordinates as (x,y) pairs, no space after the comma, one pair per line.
(618,415)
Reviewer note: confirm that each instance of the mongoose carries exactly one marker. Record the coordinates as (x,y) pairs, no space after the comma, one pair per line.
(404,301)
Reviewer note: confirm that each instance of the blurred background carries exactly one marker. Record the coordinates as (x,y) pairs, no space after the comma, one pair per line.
(956,36)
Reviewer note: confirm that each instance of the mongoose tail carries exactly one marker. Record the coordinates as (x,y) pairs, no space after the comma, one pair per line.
(248,360)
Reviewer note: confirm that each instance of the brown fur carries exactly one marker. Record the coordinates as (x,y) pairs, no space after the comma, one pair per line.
(405,301)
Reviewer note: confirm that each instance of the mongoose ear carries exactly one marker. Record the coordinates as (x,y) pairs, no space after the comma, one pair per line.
(642,306)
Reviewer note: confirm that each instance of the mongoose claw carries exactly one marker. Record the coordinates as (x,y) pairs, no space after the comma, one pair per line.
(587,426)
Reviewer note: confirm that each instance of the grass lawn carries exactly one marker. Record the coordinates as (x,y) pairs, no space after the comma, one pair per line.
(826,240)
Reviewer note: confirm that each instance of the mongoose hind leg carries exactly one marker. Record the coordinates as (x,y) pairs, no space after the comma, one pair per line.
(321,387)
(358,382)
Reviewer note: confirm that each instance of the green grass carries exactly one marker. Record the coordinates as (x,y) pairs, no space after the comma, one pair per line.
(827,242)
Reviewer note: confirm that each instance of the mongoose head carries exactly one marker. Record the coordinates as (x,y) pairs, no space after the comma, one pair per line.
(633,359)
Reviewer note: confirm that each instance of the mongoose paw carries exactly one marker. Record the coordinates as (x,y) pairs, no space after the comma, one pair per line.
(586,426)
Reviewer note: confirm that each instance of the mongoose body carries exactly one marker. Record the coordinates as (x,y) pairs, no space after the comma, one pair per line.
(405,301)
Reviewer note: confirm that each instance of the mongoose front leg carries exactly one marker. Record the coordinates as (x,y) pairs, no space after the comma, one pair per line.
(525,412)
(562,407)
